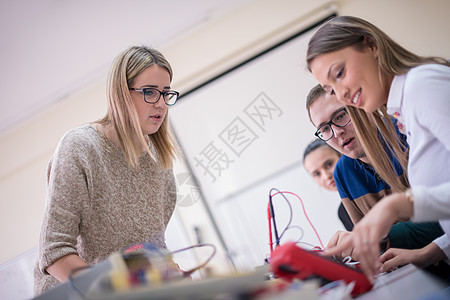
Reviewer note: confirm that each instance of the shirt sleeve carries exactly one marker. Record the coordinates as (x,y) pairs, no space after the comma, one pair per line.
(341,184)
(66,196)
(443,242)
(431,203)
(429,86)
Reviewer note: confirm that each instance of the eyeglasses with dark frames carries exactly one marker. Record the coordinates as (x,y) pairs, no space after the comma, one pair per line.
(340,119)
(152,95)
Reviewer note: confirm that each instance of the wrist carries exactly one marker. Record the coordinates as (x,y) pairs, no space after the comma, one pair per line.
(409,196)
(430,254)
(403,205)
(409,205)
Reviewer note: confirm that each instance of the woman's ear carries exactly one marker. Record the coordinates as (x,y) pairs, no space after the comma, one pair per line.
(371,45)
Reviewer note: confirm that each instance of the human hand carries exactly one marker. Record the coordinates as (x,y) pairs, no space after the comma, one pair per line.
(368,255)
(394,258)
(337,239)
(366,236)
(422,258)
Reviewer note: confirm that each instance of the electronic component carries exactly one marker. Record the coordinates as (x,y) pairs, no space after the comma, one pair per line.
(140,267)
(290,262)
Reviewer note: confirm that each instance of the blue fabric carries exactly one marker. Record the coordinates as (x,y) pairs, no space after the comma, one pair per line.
(355,179)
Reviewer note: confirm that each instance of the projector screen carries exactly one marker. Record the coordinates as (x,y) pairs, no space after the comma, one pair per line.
(244,133)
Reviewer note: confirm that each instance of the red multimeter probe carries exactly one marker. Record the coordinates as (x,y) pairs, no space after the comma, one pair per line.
(290,262)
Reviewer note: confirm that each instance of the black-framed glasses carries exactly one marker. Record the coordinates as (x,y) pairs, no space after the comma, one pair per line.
(152,95)
(340,119)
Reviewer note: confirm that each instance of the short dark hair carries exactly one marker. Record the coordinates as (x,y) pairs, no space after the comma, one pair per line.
(314,94)
(317,143)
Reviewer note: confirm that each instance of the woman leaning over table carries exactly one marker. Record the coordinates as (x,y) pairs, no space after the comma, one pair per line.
(110,183)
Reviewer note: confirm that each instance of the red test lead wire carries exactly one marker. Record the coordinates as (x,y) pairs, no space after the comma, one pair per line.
(269,216)
(304,211)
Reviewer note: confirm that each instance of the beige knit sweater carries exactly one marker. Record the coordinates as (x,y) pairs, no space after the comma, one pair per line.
(96,204)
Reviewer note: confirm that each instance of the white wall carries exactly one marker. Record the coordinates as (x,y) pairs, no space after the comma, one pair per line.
(250,129)
(421,26)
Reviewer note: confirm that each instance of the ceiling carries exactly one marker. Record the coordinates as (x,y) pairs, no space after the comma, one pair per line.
(51,48)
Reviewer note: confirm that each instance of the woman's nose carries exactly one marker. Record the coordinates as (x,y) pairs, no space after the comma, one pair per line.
(342,94)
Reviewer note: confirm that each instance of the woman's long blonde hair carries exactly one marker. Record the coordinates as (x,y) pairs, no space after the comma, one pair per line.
(122,114)
(393,59)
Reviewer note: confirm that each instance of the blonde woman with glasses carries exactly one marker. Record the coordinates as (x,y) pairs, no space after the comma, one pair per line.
(110,183)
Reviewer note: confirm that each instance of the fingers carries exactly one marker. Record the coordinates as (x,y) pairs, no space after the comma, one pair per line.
(361,244)
(344,244)
(389,254)
(369,248)
(392,264)
(336,240)
(392,259)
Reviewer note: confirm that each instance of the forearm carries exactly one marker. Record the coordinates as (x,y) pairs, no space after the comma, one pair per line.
(400,205)
(61,268)
(431,254)
(353,210)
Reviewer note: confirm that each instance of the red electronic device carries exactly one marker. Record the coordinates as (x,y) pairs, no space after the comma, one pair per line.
(290,262)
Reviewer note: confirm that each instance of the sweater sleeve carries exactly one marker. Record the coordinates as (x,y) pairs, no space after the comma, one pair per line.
(171,196)
(431,203)
(66,196)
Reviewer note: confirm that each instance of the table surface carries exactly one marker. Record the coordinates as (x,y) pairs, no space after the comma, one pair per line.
(408,282)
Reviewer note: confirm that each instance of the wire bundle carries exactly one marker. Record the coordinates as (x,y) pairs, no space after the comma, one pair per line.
(271,218)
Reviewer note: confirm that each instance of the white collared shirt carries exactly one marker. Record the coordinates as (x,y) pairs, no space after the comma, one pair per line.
(420,100)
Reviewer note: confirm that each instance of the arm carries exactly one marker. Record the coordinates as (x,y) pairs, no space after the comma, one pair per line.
(61,268)
(428,90)
(66,197)
(171,196)
(348,202)
(431,203)
(345,218)
(353,210)
(372,228)
(404,235)
(377,222)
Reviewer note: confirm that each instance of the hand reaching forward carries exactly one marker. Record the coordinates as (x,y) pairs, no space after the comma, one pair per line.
(368,232)
(338,239)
